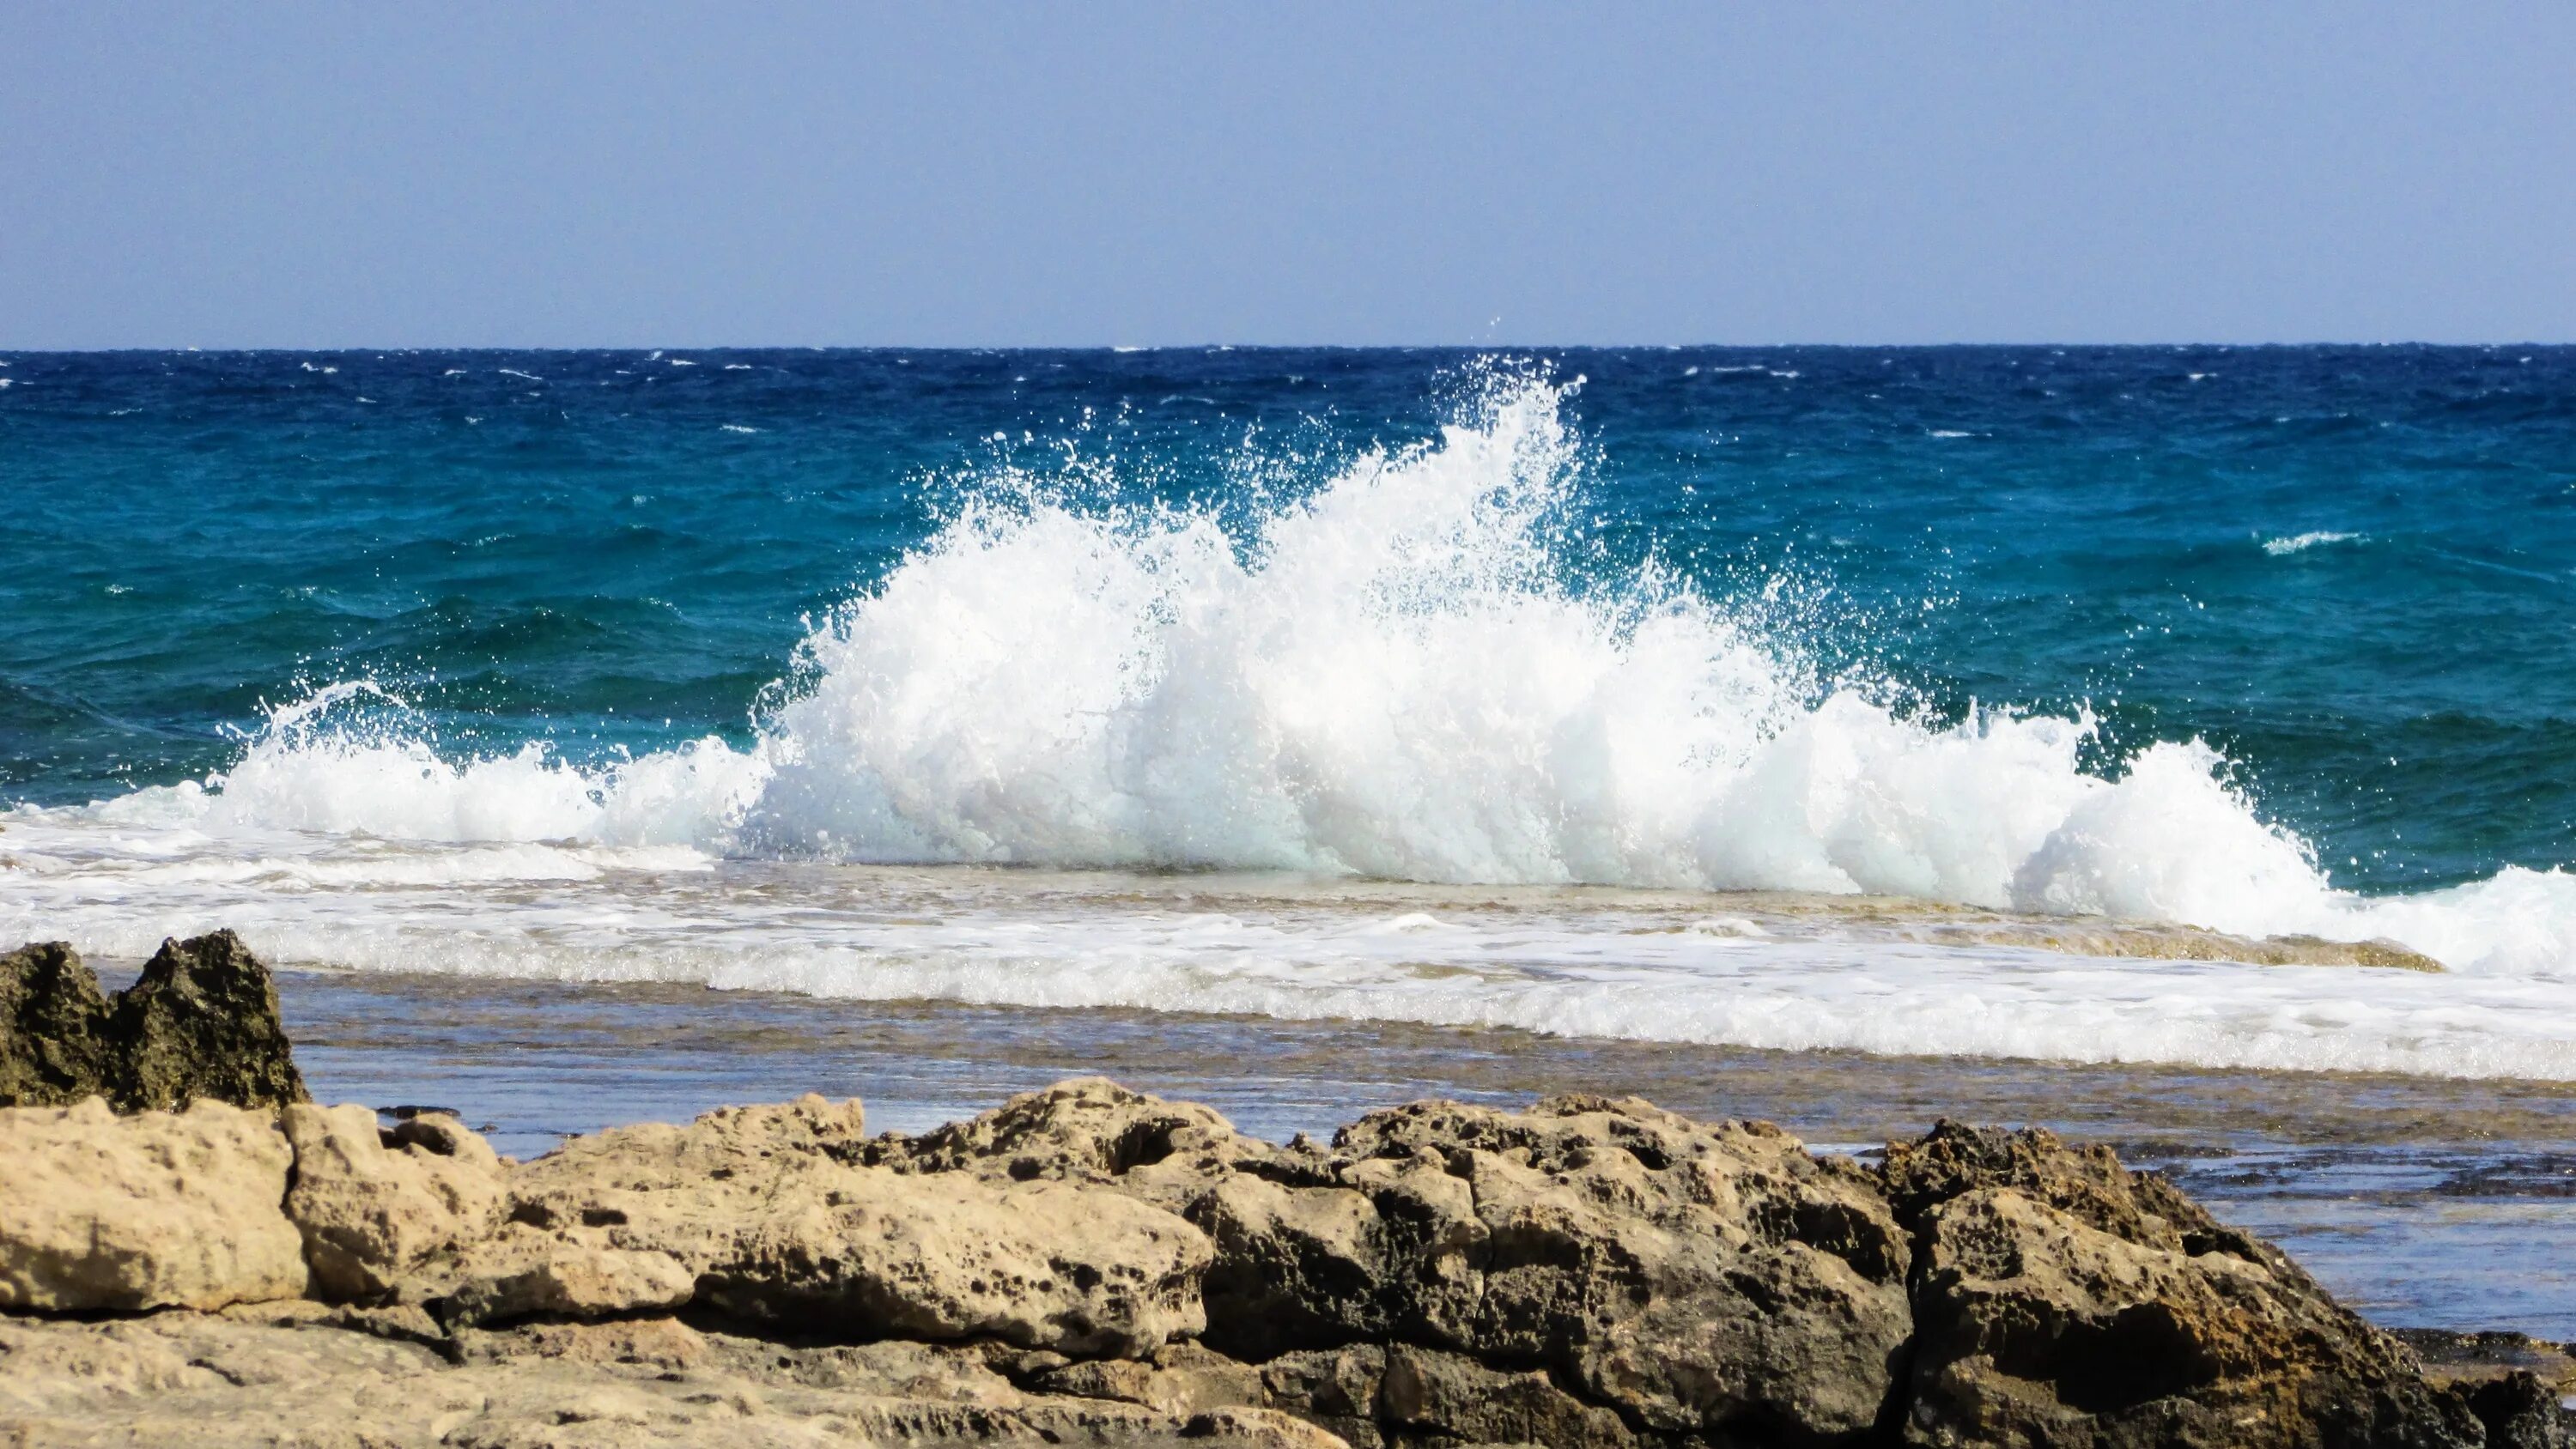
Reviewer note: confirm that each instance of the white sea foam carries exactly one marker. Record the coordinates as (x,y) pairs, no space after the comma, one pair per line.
(1394,677)
(2298,543)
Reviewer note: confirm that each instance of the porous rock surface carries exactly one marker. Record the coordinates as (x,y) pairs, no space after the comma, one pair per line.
(53,1027)
(372,1203)
(2061,1300)
(164,1210)
(1089,1265)
(200,1022)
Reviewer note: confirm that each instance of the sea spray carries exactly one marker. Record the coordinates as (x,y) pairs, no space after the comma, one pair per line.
(1401,674)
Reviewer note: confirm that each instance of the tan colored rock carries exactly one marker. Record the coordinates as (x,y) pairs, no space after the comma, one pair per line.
(1183,1379)
(1088,1130)
(224,1383)
(1697,1279)
(759,1212)
(1588,1274)
(525,1272)
(156,1210)
(371,1203)
(2065,1301)
(1458,1398)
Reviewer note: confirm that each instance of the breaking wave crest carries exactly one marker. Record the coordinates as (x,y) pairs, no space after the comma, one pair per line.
(1401,675)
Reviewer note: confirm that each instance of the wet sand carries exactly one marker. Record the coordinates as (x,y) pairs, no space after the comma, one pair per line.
(2424,1202)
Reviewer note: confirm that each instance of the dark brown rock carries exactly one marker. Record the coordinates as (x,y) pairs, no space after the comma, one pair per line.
(53,1022)
(1334,1387)
(202,1021)
(2060,1300)
(2520,1411)
(1697,1279)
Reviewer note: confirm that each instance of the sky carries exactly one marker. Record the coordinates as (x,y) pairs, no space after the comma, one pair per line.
(1119,173)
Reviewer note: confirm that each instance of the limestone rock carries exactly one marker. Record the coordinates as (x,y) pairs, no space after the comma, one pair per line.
(758,1211)
(1093,1266)
(1459,1399)
(2063,1301)
(1695,1279)
(1337,1388)
(373,1203)
(1089,1130)
(105,1212)
(202,1021)
(523,1272)
(53,1024)
(1182,1379)
(186,1378)
(1698,1279)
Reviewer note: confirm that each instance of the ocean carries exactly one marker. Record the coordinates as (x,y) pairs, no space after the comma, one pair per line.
(2145,709)
(1430,686)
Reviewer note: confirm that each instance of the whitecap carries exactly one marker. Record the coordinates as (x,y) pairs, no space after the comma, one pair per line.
(1389,677)
(2299,543)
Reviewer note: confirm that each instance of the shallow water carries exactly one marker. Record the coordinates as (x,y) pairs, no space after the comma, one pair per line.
(2423,1203)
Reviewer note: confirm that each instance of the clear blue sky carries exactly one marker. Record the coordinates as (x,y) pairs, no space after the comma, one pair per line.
(295,175)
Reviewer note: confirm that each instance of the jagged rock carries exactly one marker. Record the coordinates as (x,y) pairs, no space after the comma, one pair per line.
(105,1212)
(1088,1130)
(373,1203)
(53,1021)
(202,1022)
(1530,1238)
(2520,1411)
(1712,1280)
(1089,1265)
(1698,1279)
(757,1212)
(2063,1301)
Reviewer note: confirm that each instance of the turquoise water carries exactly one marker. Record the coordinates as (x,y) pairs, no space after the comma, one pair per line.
(2262,640)
(585,552)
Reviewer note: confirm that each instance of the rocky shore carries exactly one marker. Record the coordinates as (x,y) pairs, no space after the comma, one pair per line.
(222,1262)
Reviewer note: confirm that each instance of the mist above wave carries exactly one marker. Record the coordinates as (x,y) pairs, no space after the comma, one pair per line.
(1398,675)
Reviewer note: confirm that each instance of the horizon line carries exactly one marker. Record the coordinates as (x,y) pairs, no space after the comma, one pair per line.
(1122,348)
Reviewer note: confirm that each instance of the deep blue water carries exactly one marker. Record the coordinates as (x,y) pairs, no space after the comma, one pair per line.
(588,547)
